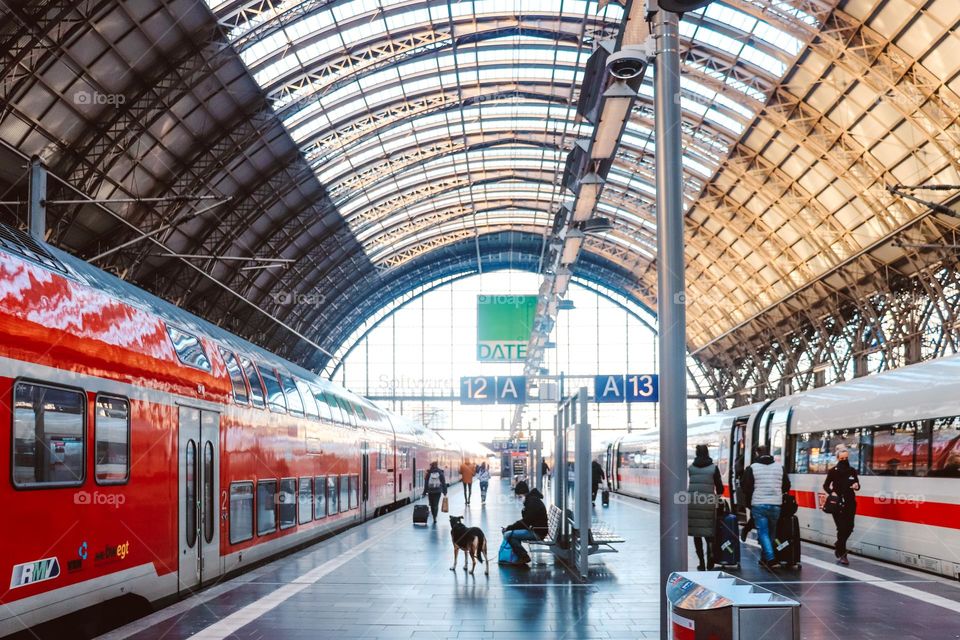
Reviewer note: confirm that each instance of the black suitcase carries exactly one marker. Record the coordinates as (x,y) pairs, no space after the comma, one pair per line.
(786,544)
(605,497)
(420,514)
(726,541)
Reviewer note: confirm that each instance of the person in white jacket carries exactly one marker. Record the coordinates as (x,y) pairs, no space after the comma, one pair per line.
(764,483)
(483,475)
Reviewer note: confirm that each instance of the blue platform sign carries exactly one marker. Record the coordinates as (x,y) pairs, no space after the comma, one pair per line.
(511,389)
(643,387)
(608,389)
(478,390)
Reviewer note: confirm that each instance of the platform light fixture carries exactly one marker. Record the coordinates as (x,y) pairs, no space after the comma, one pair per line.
(590,186)
(571,246)
(562,281)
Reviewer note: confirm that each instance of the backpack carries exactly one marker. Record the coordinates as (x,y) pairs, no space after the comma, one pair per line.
(433,482)
(506,555)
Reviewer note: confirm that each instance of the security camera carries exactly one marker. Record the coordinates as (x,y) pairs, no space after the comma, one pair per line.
(627,64)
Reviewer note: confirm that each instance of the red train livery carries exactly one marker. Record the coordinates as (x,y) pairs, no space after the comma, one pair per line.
(152,452)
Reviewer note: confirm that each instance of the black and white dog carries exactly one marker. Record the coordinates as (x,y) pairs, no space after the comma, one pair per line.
(473,543)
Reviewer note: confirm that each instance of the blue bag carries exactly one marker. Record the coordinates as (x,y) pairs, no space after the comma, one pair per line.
(506,554)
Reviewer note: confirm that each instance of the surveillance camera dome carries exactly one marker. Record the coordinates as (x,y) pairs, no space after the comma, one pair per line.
(626,64)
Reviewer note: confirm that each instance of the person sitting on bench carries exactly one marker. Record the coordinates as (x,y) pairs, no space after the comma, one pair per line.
(532,525)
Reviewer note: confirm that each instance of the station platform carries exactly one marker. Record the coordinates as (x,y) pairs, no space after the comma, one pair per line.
(388,579)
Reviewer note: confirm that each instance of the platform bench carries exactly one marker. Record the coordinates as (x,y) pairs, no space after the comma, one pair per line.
(553,530)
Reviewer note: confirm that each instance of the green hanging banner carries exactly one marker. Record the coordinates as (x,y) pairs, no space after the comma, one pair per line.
(504,324)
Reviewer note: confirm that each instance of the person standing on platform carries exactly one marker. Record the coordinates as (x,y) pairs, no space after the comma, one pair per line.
(544,472)
(467,470)
(483,475)
(434,488)
(596,479)
(844,481)
(705,489)
(764,483)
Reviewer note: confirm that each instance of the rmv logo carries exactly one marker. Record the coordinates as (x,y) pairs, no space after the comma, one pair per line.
(36,571)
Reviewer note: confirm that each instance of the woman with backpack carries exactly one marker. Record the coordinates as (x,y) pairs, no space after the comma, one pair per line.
(483,475)
(434,487)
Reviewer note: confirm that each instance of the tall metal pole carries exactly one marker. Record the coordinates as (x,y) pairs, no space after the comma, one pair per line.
(670,307)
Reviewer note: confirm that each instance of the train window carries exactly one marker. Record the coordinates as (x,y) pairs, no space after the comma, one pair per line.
(208,498)
(188,349)
(190,493)
(112,440)
(48,440)
(309,403)
(266,507)
(256,387)
(945,459)
(320,497)
(322,406)
(274,391)
(288,502)
(354,491)
(335,409)
(349,417)
(236,377)
(305,500)
(241,511)
(894,450)
(294,401)
(344,493)
(332,495)
(405,458)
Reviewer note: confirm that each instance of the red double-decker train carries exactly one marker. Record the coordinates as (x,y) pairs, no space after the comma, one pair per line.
(152,452)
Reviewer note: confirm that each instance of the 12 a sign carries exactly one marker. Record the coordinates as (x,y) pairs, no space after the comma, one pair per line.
(493,390)
(639,387)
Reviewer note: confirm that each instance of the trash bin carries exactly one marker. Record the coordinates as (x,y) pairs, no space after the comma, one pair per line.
(713,605)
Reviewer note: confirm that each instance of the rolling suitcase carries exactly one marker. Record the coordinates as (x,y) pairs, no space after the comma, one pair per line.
(420,514)
(605,497)
(786,544)
(726,541)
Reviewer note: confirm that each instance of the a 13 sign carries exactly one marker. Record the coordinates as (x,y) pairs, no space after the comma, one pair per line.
(639,387)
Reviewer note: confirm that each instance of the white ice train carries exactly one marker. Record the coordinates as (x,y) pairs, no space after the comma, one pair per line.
(902,428)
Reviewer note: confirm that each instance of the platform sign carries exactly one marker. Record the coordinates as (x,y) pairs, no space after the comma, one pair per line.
(504,325)
(493,390)
(478,390)
(643,387)
(608,389)
(511,389)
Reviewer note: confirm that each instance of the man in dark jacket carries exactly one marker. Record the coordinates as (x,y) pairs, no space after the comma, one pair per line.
(597,477)
(532,525)
(764,483)
(434,486)
(844,481)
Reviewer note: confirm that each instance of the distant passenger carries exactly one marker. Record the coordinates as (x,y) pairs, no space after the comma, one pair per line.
(705,487)
(764,483)
(434,487)
(952,468)
(844,481)
(532,525)
(544,472)
(467,470)
(597,476)
(483,475)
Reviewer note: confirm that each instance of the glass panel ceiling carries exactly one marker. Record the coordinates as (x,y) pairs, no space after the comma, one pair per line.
(448,76)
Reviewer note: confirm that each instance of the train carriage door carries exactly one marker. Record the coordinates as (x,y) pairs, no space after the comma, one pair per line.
(738,454)
(364,476)
(198,497)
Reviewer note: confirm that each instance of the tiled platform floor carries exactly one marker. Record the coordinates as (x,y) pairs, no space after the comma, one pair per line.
(387,579)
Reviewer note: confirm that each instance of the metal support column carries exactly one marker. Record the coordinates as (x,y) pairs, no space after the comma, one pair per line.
(670,307)
(584,471)
(37,212)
